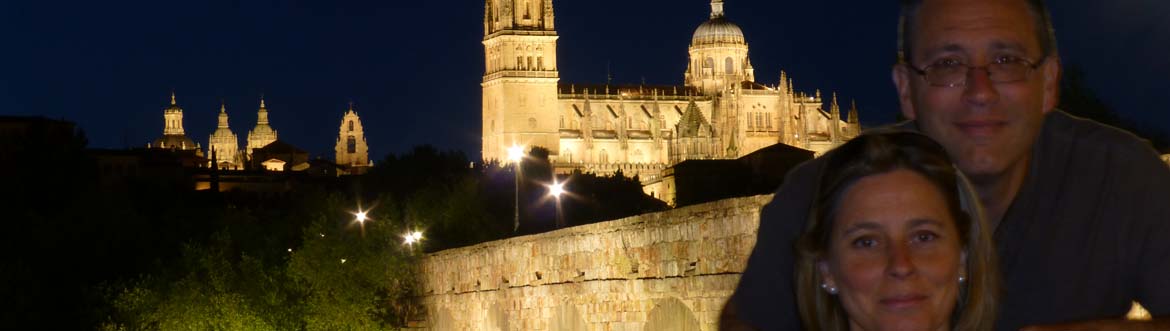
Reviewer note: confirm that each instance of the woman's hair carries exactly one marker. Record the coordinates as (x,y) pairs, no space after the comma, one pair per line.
(877,153)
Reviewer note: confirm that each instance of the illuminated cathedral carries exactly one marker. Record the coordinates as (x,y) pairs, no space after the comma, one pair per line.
(720,112)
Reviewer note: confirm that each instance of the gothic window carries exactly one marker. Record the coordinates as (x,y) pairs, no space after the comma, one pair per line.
(539,63)
(710,63)
(562,121)
(531,123)
(603,156)
(529,64)
(527,10)
(351,145)
(350,125)
(568,155)
(729,66)
(519,62)
(768,121)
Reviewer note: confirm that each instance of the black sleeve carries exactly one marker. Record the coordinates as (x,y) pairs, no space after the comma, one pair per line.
(765,297)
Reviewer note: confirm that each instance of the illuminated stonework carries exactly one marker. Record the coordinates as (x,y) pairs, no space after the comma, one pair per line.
(721,112)
(224,145)
(262,134)
(351,147)
(1166,157)
(174,137)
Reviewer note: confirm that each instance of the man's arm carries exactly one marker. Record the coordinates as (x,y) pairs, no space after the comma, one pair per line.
(1149,181)
(1158,324)
(764,298)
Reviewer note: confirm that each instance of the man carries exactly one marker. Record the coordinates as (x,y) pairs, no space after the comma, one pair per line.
(1080,211)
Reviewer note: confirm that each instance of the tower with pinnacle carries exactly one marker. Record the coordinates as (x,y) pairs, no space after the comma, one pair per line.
(520,77)
(262,134)
(224,144)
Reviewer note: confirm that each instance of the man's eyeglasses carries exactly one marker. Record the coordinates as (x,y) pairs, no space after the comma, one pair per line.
(953,73)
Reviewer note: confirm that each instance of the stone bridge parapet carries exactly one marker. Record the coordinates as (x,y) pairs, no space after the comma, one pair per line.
(671,270)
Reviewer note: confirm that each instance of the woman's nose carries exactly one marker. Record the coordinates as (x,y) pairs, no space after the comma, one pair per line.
(900,264)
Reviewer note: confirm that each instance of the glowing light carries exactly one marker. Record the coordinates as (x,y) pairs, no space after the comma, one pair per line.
(556,189)
(342,260)
(410,238)
(290,250)
(361,217)
(515,153)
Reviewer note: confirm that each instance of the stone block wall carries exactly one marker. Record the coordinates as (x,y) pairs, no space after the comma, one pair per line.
(671,270)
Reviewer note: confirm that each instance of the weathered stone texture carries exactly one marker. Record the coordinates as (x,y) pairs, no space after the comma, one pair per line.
(671,270)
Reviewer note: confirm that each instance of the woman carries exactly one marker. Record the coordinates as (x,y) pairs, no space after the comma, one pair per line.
(895,241)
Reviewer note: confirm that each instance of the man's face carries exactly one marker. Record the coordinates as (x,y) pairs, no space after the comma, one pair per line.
(987,127)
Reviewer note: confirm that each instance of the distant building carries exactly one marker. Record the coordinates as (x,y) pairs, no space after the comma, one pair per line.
(174,137)
(1166,157)
(697,181)
(720,112)
(224,146)
(280,156)
(351,149)
(16,133)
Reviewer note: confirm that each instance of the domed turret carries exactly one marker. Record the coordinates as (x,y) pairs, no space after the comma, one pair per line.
(718,54)
(717,30)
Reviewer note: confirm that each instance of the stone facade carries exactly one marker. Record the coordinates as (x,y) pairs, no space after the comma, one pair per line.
(1166,157)
(670,270)
(641,129)
(351,149)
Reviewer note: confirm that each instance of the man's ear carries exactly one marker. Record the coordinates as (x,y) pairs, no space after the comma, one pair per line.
(902,76)
(1052,72)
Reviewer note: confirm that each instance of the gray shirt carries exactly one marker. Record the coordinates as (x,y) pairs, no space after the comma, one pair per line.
(1088,232)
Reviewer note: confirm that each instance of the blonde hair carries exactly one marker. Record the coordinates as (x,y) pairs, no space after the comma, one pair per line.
(877,153)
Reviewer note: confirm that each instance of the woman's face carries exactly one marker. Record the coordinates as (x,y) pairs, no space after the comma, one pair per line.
(894,254)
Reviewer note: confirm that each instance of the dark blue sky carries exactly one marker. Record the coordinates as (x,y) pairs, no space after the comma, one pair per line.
(413,67)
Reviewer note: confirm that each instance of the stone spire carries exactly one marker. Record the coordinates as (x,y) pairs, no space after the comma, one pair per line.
(262,114)
(716,9)
(223,117)
(835,120)
(172,97)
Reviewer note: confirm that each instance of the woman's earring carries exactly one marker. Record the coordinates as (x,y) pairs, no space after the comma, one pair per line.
(962,279)
(830,289)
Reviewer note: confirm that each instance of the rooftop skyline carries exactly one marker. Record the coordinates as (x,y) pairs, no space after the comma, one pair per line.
(413,69)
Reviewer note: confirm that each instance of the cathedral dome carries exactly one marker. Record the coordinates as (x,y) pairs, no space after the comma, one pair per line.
(717,30)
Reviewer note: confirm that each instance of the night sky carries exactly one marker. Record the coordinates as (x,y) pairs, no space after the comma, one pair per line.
(413,67)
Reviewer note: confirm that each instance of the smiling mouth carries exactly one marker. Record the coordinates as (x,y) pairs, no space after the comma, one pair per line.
(903,301)
(981,128)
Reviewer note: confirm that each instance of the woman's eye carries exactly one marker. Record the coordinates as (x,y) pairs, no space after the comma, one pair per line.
(925,237)
(864,242)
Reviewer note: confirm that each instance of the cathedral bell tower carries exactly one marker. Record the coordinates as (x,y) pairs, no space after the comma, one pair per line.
(520,77)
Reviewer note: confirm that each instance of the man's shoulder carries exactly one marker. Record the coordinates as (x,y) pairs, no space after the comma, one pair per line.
(1088,136)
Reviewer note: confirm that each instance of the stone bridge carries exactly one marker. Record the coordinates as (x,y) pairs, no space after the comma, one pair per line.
(671,270)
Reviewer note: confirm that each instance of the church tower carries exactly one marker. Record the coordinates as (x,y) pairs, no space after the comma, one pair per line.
(174,137)
(224,144)
(718,54)
(520,77)
(351,148)
(262,134)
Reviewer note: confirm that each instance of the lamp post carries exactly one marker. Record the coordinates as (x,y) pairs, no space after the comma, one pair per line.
(516,154)
(556,190)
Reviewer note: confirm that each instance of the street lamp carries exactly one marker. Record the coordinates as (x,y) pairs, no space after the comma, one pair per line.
(516,154)
(556,190)
(360,217)
(411,237)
